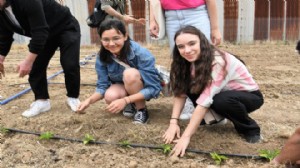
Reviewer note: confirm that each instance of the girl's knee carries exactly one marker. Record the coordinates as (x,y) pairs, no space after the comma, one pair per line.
(110,96)
(131,75)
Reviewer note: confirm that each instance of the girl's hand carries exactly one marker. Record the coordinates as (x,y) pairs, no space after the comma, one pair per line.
(116,106)
(181,146)
(172,131)
(2,72)
(216,37)
(82,106)
(154,28)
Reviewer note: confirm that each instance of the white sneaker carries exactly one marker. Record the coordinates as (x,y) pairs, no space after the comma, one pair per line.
(73,103)
(213,118)
(187,110)
(37,107)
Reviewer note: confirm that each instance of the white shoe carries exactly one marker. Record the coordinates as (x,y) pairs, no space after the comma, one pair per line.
(213,118)
(73,103)
(37,107)
(187,110)
(221,122)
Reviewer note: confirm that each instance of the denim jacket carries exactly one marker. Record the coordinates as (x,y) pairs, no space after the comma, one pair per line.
(139,58)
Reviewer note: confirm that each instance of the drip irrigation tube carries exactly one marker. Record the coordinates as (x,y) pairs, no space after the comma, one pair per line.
(26,90)
(85,61)
(248,156)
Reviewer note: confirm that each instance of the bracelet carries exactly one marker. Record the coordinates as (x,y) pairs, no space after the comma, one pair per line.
(125,101)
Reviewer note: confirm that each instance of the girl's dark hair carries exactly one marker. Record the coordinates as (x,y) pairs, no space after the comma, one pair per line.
(108,24)
(180,75)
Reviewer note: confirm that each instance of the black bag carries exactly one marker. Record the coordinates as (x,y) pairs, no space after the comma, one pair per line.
(98,15)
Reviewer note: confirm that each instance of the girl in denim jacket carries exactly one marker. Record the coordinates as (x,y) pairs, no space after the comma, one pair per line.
(123,88)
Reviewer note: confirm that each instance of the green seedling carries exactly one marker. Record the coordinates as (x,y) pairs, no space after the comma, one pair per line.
(269,154)
(88,138)
(125,144)
(46,136)
(218,158)
(3,130)
(167,148)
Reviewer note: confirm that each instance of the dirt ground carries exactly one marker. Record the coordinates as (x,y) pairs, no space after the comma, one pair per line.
(275,67)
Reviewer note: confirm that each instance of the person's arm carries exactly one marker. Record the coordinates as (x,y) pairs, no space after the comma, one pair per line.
(6,39)
(25,66)
(87,102)
(39,31)
(106,6)
(2,71)
(216,36)
(154,28)
(183,142)
(146,67)
(103,83)
(290,153)
(38,25)
(174,129)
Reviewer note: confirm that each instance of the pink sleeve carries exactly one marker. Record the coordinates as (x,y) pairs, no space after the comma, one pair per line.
(217,84)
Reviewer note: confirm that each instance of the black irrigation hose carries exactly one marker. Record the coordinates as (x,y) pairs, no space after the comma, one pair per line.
(248,156)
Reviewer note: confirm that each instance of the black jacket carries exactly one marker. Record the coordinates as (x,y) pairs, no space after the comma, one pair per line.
(40,19)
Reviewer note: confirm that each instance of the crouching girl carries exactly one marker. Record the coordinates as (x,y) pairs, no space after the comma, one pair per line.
(127,76)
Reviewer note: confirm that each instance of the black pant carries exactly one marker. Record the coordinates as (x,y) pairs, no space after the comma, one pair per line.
(69,43)
(235,106)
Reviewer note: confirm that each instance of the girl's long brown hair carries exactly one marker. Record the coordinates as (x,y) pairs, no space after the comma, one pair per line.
(180,75)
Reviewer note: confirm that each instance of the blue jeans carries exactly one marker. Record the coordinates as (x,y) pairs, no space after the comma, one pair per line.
(176,19)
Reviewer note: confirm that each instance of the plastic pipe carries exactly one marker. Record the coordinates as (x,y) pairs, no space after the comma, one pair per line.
(89,57)
(248,156)
(26,90)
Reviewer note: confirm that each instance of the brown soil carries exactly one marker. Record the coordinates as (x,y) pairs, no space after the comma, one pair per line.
(275,66)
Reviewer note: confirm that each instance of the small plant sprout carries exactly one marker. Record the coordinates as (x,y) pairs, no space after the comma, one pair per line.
(218,158)
(3,130)
(88,138)
(125,144)
(46,136)
(167,148)
(269,154)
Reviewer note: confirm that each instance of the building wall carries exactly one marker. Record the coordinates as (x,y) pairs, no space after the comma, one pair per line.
(246,21)
(239,20)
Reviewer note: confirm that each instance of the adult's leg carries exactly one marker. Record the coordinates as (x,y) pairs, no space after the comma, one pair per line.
(199,18)
(70,51)
(38,74)
(176,19)
(235,106)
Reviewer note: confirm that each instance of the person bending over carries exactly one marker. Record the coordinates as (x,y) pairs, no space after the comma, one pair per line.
(50,25)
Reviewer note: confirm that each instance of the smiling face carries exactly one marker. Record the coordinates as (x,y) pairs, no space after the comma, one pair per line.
(188,46)
(113,40)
